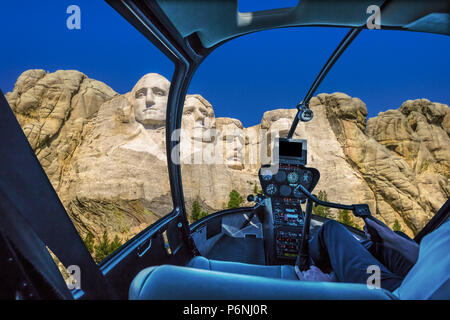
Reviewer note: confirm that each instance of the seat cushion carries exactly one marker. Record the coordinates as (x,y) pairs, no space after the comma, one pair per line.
(276,272)
(169,282)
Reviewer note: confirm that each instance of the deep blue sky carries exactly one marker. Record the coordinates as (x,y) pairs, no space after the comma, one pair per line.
(244,77)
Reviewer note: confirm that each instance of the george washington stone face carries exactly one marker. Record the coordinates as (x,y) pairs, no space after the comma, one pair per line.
(149,99)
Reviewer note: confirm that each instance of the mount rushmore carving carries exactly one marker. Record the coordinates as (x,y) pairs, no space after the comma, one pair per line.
(105,153)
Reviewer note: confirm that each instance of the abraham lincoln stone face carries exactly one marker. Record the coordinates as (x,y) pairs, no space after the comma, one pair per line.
(149,99)
(232,143)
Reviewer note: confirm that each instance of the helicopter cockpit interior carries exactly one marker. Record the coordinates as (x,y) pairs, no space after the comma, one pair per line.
(250,252)
(279,212)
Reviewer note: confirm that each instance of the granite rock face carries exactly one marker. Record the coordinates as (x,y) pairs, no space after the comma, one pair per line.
(55,111)
(402,155)
(418,134)
(108,163)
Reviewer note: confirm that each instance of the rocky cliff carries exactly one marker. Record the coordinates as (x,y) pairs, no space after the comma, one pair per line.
(108,165)
(401,155)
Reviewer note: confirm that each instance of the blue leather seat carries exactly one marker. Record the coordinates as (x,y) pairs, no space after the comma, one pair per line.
(209,279)
(169,282)
(430,277)
(276,272)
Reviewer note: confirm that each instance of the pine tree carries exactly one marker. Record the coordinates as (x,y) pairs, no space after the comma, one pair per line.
(397,226)
(197,212)
(344,217)
(101,250)
(105,248)
(235,200)
(203,214)
(89,242)
(320,210)
(115,245)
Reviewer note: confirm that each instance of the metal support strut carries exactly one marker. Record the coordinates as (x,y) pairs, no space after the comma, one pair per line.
(304,113)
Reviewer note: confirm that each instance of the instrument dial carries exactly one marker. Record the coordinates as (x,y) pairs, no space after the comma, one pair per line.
(306,177)
(266,175)
(280,176)
(292,177)
(285,190)
(271,189)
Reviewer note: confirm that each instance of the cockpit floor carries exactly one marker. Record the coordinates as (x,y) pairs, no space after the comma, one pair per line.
(246,250)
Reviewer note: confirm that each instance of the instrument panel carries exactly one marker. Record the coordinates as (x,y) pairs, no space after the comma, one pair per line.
(282,182)
(279,183)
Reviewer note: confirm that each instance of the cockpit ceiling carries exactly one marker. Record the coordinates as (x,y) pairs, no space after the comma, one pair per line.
(215,21)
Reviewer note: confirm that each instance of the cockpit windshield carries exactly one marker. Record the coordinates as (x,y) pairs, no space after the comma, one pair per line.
(181,135)
(353,137)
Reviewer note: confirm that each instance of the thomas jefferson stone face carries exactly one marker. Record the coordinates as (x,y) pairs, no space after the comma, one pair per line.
(198,119)
(149,98)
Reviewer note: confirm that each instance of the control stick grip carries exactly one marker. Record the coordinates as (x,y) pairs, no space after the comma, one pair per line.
(363,211)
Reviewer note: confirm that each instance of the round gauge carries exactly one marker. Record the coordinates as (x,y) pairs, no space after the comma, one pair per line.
(280,176)
(271,189)
(266,174)
(285,190)
(306,177)
(292,177)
